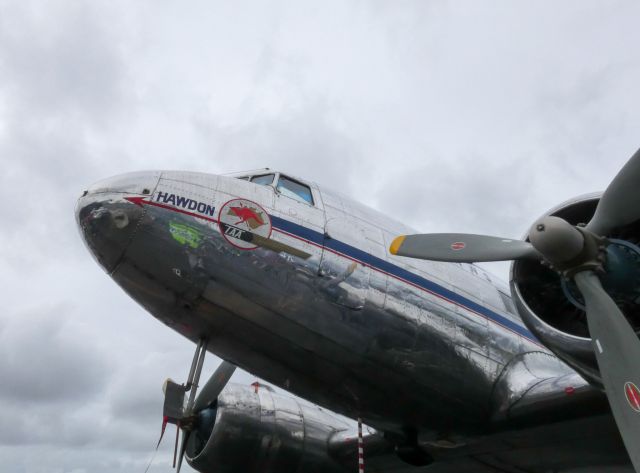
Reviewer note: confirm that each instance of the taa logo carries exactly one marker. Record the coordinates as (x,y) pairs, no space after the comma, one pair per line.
(233,232)
(241,220)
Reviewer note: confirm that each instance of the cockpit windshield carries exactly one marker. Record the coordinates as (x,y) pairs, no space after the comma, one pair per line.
(285,186)
(264,180)
(294,189)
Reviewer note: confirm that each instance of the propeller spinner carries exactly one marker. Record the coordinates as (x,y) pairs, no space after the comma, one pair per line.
(577,253)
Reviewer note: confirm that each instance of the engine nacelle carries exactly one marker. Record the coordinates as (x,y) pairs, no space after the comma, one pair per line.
(262,432)
(551,306)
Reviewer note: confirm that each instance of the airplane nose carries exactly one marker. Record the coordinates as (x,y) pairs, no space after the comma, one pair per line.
(107,221)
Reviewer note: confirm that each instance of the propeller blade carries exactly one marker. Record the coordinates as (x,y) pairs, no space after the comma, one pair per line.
(183,447)
(617,350)
(461,247)
(214,385)
(620,203)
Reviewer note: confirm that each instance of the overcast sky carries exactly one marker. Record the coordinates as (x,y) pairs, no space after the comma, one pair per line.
(450,116)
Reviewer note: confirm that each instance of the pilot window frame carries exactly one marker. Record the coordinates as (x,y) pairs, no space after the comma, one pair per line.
(312,190)
(294,195)
(274,177)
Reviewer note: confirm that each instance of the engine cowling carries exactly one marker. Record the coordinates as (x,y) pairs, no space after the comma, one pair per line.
(551,306)
(263,432)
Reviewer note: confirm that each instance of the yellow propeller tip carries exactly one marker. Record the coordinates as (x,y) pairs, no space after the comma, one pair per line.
(395,245)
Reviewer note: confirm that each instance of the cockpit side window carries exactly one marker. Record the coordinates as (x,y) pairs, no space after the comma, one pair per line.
(263,180)
(295,190)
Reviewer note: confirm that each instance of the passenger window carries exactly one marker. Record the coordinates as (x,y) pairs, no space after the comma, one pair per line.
(264,180)
(295,190)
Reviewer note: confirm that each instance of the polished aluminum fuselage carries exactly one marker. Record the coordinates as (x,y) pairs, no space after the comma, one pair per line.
(407,345)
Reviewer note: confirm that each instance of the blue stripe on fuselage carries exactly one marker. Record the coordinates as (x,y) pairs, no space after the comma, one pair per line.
(400,273)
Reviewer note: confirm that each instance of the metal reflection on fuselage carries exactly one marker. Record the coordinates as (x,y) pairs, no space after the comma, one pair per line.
(347,326)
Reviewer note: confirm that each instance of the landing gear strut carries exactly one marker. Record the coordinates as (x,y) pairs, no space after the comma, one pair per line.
(174,405)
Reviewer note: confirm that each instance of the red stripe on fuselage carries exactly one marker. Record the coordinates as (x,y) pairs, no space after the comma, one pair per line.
(141,201)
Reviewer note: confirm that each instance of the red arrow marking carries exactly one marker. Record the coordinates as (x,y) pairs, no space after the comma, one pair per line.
(141,201)
(458,245)
(137,200)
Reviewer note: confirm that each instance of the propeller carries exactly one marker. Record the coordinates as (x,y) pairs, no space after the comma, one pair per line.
(214,386)
(620,203)
(576,253)
(617,351)
(209,393)
(461,247)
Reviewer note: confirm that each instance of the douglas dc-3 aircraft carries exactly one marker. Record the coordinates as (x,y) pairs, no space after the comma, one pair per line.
(358,315)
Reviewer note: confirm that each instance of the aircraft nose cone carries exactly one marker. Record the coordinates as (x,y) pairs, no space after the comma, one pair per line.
(107,220)
(107,226)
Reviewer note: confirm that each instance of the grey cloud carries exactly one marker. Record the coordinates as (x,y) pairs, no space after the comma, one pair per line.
(44,360)
(305,142)
(469,193)
(56,459)
(63,61)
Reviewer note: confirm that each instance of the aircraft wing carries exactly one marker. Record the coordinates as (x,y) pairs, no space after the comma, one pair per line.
(538,426)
